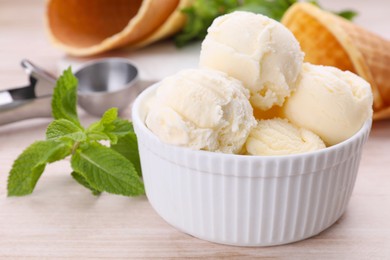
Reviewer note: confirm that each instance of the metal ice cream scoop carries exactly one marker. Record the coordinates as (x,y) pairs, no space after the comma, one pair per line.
(103,84)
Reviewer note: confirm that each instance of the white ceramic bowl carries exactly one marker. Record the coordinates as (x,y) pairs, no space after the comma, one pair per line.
(246,200)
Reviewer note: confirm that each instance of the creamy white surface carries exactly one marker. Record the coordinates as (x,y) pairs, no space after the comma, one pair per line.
(332,103)
(279,137)
(202,109)
(257,50)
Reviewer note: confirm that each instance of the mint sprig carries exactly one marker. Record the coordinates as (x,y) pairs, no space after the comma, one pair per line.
(64,100)
(201,14)
(104,170)
(83,181)
(113,168)
(122,147)
(29,166)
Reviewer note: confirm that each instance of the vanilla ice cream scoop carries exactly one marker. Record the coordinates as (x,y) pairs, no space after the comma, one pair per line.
(257,50)
(332,103)
(279,137)
(203,110)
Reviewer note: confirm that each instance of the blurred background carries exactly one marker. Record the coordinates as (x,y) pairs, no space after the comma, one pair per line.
(23,34)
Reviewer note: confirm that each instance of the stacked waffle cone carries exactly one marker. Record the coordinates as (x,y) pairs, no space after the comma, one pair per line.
(331,40)
(84,27)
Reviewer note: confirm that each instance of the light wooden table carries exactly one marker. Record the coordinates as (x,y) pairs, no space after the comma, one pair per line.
(62,220)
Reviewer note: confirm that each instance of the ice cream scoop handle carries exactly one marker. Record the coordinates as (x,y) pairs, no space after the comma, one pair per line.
(24,109)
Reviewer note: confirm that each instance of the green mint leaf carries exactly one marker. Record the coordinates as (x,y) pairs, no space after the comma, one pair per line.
(63,129)
(96,167)
(347,14)
(107,170)
(100,130)
(98,136)
(64,100)
(271,8)
(120,127)
(201,14)
(110,115)
(83,181)
(128,147)
(28,167)
(110,127)
(254,8)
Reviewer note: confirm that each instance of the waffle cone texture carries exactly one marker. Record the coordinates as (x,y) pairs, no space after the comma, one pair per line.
(328,39)
(84,28)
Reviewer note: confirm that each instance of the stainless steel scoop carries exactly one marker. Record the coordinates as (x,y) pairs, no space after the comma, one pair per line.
(103,84)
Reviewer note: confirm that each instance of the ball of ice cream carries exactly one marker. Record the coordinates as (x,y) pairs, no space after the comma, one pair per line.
(279,137)
(257,50)
(202,109)
(332,103)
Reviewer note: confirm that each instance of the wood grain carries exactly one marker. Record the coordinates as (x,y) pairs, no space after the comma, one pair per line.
(62,220)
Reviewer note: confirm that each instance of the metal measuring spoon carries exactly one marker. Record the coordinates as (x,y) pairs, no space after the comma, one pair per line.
(103,84)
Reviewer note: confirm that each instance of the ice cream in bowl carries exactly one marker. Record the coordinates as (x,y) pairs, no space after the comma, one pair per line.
(215,169)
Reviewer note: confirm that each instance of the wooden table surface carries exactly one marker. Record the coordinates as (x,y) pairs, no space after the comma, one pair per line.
(63,220)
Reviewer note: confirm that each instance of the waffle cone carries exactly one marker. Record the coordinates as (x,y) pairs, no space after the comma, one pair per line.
(330,40)
(84,27)
(171,26)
